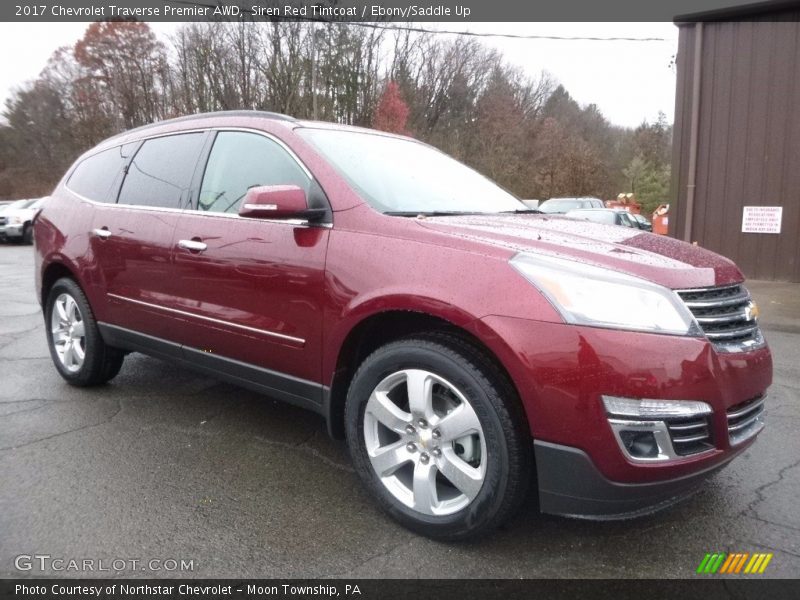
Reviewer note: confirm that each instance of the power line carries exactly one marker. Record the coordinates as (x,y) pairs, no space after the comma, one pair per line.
(417,29)
(507,35)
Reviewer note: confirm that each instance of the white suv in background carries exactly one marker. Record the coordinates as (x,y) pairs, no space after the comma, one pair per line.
(16,221)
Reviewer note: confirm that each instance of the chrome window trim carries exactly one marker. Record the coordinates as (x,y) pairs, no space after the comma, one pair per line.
(143,139)
(282,336)
(292,222)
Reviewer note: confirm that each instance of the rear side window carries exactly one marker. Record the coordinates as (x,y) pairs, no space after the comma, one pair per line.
(239,161)
(94,177)
(161,172)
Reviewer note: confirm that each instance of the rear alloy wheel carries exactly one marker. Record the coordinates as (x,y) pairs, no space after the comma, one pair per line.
(76,346)
(436,434)
(69,332)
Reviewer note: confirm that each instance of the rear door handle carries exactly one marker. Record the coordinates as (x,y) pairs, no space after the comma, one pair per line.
(192,245)
(103,234)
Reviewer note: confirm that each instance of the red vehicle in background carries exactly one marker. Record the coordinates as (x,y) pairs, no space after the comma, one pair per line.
(463,345)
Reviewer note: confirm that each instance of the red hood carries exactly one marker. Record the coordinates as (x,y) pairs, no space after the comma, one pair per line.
(656,258)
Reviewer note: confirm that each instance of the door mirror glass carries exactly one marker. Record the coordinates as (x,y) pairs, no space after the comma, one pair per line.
(274,202)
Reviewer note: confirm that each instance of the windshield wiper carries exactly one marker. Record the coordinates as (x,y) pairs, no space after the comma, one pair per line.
(429,213)
(522,211)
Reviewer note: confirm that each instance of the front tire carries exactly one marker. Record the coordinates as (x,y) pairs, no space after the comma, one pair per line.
(27,234)
(78,351)
(437,435)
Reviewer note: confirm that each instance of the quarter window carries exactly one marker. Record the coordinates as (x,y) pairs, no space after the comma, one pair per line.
(95,176)
(239,161)
(161,172)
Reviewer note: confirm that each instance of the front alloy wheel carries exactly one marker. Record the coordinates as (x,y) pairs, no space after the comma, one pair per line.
(437,435)
(425,442)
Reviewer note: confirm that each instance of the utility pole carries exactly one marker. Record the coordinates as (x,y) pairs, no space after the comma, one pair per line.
(314,71)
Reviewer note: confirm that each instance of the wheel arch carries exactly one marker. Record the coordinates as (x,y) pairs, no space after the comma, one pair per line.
(378,329)
(52,272)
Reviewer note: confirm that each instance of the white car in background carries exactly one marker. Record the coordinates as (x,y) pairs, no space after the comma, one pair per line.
(559,206)
(16,220)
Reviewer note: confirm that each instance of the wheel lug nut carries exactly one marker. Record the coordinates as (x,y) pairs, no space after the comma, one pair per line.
(411,447)
(436,434)
(422,423)
(424,457)
(410,429)
(436,452)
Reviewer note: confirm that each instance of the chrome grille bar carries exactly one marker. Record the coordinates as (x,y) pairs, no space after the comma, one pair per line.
(689,437)
(745,420)
(725,314)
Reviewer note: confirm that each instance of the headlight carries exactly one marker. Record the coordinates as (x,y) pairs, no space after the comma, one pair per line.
(589,295)
(15,220)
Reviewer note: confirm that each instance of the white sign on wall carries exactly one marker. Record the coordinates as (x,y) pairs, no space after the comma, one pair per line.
(762,219)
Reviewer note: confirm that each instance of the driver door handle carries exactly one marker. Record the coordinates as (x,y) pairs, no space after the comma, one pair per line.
(192,245)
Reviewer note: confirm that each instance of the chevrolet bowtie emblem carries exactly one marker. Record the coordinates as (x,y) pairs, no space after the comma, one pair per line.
(751,311)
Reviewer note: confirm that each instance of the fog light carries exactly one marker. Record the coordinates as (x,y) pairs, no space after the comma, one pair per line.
(639,444)
(641,425)
(643,441)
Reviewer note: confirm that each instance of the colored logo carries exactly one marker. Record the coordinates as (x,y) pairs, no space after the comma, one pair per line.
(751,311)
(734,563)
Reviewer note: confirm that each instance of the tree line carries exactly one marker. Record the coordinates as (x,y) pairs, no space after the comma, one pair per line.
(526,132)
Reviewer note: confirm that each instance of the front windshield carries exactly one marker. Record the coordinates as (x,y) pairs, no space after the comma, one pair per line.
(396,175)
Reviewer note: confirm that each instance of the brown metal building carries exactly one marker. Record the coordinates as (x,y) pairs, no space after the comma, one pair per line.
(737,135)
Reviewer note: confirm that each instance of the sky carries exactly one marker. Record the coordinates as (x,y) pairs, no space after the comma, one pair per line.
(629,81)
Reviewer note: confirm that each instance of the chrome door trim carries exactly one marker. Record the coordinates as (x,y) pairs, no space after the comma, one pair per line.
(304,223)
(282,336)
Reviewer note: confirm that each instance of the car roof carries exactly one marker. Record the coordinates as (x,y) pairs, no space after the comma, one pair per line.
(225,118)
(250,114)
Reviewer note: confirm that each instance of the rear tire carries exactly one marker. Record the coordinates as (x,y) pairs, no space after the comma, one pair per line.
(78,351)
(453,465)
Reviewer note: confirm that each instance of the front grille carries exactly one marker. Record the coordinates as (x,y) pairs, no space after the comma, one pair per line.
(2,220)
(725,315)
(690,436)
(745,420)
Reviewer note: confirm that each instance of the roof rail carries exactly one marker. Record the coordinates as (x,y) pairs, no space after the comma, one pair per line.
(261,114)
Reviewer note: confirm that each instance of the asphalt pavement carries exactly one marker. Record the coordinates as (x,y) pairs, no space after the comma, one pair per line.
(168,465)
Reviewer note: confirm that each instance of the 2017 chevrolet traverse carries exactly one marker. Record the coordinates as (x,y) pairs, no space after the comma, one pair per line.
(462,345)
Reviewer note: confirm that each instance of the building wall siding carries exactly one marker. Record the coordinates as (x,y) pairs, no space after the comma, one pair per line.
(748,140)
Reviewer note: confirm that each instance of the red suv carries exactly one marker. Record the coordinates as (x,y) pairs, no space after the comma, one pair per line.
(463,346)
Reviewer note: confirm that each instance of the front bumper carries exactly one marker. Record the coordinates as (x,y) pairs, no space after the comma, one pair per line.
(563,371)
(570,485)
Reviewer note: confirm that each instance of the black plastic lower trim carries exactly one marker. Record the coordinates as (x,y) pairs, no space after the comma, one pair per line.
(280,386)
(571,485)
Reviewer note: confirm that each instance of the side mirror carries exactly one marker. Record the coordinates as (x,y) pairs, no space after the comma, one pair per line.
(274,202)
